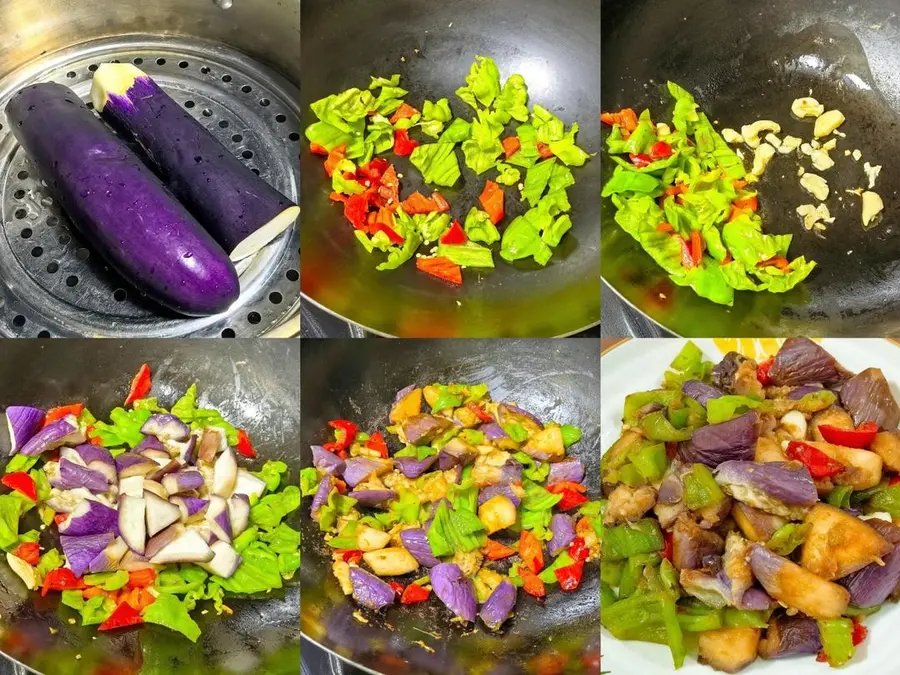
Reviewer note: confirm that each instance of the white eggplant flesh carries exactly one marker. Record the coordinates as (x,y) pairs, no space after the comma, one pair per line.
(189,547)
(225,474)
(225,560)
(132,525)
(160,513)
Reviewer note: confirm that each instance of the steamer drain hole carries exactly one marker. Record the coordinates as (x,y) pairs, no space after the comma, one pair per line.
(70,74)
(264,102)
(52,220)
(44,334)
(206,112)
(204,70)
(160,62)
(280,118)
(37,252)
(18,194)
(275,298)
(21,213)
(92,67)
(228,333)
(183,64)
(237,138)
(26,233)
(246,89)
(294,136)
(71,281)
(82,254)
(254,318)
(246,154)
(188,104)
(53,268)
(226,78)
(137,60)
(223,124)
(120,295)
(64,239)
(22,175)
(18,321)
(292,275)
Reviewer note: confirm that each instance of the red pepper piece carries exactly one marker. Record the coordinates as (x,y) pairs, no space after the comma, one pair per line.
(140,385)
(861,437)
(344,432)
(893,481)
(389,185)
(61,579)
(398,588)
(30,552)
(673,190)
(317,149)
(374,170)
(665,228)
(859,632)
(533,584)
(61,411)
(21,482)
(660,150)
(696,247)
(747,204)
(819,464)
(335,157)
(376,442)
(142,578)
(244,446)
(480,412)
(492,200)
(494,550)
(455,235)
(340,486)
(442,204)
(60,518)
(578,550)
(356,210)
(337,197)
(569,577)
(777,261)
(418,203)
(123,616)
(640,160)
(531,551)
(511,145)
(625,118)
(414,593)
(669,549)
(403,144)
(405,111)
(350,555)
(687,260)
(572,494)
(442,268)
(762,371)
(544,151)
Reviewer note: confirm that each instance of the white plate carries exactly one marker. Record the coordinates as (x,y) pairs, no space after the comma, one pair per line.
(638,365)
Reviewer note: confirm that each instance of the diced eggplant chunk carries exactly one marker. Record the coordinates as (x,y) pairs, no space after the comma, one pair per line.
(887,446)
(863,468)
(159,513)
(691,544)
(409,405)
(132,525)
(497,513)
(729,649)
(755,524)
(768,449)
(546,444)
(390,562)
(867,397)
(225,560)
(627,504)
(225,474)
(790,636)
(423,428)
(838,543)
(834,416)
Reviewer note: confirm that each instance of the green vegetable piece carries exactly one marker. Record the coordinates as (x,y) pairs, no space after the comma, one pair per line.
(437,163)
(73,599)
(51,560)
(536,181)
(788,537)
(625,541)
(522,240)
(508,175)
(658,428)
(607,595)
(458,131)
(566,150)
(537,498)
(12,506)
(399,255)
(639,401)
(469,254)
(611,572)
(554,234)
(478,227)
(724,408)
(109,581)
(651,461)
(516,432)
(837,640)
(257,573)
(746,618)
(272,509)
(96,610)
(23,462)
(649,617)
(171,612)
(571,434)
(840,496)
(700,488)
(482,83)
(309,481)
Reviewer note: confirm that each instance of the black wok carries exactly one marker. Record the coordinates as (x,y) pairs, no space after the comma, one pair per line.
(554,46)
(255,385)
(747,61)
(358,379)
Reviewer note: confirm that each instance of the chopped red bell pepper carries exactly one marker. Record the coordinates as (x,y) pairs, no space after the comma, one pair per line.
(569,577)
(244,446)
(492,200)
(356,210)
(674,190)
(21,482)
(511,145)
(455,235)
(60,518)
(376,442)
(821,658)
(762,371)
(671,449)
(61,579)
(572,494)
(533,584)
(374,170)
(777,261)
(142,578)
(687,260)
(531,551)
(61,411)
(398,587)
(480,412)
(494,550)
(335,157)
(859,632)
(665,228)
(640,160)
(442,204)
(403,144)
(338,197)
(317,149)
(414,593)
(894,481)
(350,555)
(819,464)
(389,185)
(419,203)
(578,549)
(861,437)
(30,552)
(739,183)
(442,268)
(123,616)
(544,151)
(696,247)
(669,548)
(405,111)
(383,221)
(140,385)
(748,204)
(340,486)
(344,432)
(660,150)
(625,118)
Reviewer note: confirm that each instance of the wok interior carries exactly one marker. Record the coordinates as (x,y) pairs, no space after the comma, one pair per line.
(556,53)
(254,384)
(357,380)
(746,62)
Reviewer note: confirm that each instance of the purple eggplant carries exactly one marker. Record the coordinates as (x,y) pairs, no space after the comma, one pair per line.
(159,513)
(23,422)
(213,441)
(455,590)
(166,427)
(149,443)
(508,413)
(563,530)
(327,462)
(55,435)
(801,361)
(80,551)
(455,452)
(98,458)
(412,467)
(711,588)
(73,475)
(423,428)
(225,474)
(867,397)
(783,488)
(499,605)
(172,466)
(803,390)
(504,489)
(756,599)
(108,559)
(187,451)
(218,519)
(416,542)
(156,543)
(370,591)
(322,494)
(129,464)
(180,482)
(700,391)
(691,544)
(225,560)
(790,636)
(190,506)
(716,443)
(873,584)
(359,469)
(403,392)
(90,517)
(569,470)
(132,522)
(239,513)
(493,431)
(188,547)
(372,497)
(159,456)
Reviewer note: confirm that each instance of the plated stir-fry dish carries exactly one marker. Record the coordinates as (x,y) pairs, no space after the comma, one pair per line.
(748,508)
(532,159)
(472,501)
(138,519)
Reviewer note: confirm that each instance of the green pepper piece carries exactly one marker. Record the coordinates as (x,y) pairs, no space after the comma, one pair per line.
(607,595)
(700,488)
(656,427)
(695,619)
(837,640)
(651,461)
(788,537)
(852,610)
(840,496)
(631,475)
(668,575)
(746,618)
(619,452)
(631,576)
(887,500)
(678,417)
(696,413)
(611,572)
(625,541)
(673,631)
(639,400)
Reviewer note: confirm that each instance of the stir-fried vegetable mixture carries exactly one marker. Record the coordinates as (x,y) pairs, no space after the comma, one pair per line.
(473,501)
(355,126)
(754,505)
(152,511)
(685,196)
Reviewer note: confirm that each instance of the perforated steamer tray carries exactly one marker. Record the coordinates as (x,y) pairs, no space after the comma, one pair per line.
(53,284)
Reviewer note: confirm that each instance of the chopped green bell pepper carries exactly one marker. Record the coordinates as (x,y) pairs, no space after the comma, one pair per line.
(658,428)
(634,403)
(651,461)
(837,640)
(649,617)
(840,496)
(788,537)
(746,618)
(625,541)
(700,488)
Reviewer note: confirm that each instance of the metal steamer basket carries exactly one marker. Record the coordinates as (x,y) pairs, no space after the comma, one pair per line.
(235,68)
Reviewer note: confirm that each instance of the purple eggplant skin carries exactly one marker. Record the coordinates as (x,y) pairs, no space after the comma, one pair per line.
(571,470)
(723,374)
(455,590)
(504,408)
(416,542)
(423,428)
(455,452)
(119,205)
(504,489)
(493,431)
(716,443)
(90,517)
(412,467)
(95,453)
(166,428)
(867,397)
(231,202)
(149,443)
(873,584)
(803,390)
(23,422)
(700,391)
(691,544)
(328,462)
(886,529)
(372,497)
(790,636)
(756,599)
(403,392)
(321,496)
(563,530)
(55,435)
(72,476)
(81,551)
(370,591)
(802,361)
(787,482)
(499,605)
(357,469)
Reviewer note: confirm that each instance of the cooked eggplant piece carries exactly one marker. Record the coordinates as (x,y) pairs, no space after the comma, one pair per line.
(802,361)
(768,449)
(423,428)
(359,469)
(783,488)
(834,416)
(716,443)
(691,544)
(755,524)
(736,566)
(408,404)
(711,589)
(700,391)
(863,468)
(838,543)
(728,649)
(497,513)
(867,397)
(546,444)
(722,376)
(796,587)
(370,539)
(790,636)
(617,454)
(887,446)
(714,514)
(628,504)
(391,562)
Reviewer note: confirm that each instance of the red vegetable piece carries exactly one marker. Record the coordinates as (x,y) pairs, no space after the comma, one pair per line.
(660,150)
(442,268)
(403,144)
(625,118)
(687,260)
(414,593)
(578,549)
(533,584)
(696,247)
(777,261)
(442,204)
(317,149)
(61,579)
(665,228)
(819,464)
(455,235)
(398,587)
(419,203)
(572,494)
(61,411)
(244,446)
(376,442)
(480,412)
(531,551)
(335,157)
(569,577)
(748,204)
(669,549)
(344,432)
(762,371)
(544,151)
(21,482)
(389,187)
(640,160)
(356,210)
(861,437)
(511,145)
(859,632)
(123,616)
(140,385)
(492,201)
(30,552)
(494,550)
(405,111)
(350,555)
